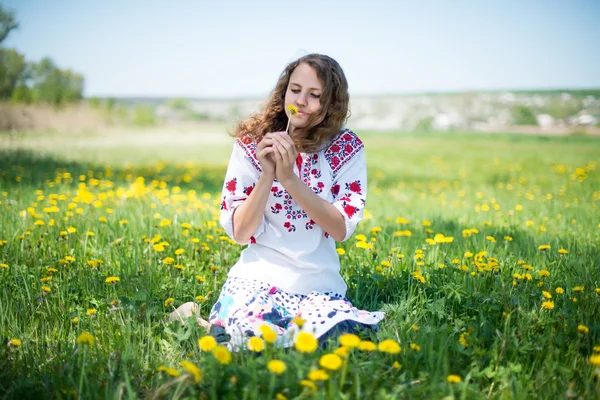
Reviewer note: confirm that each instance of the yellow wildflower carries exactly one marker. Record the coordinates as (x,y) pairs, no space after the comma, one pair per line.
(559,290)
(112,279)
(331,362)
(367,345)
(318,375)
(340,251)
(169,301)
(309,384)
(169,371)
(349,340)
(563,252)
(222,355)
(85,338)
(268,334)
(207,343)
(548,305)
(306,342)
(276,366)
(389,346)
(583,329)
(595,360)
(454,378)
(15,342)
(256,344)
(192,370)
(578,289)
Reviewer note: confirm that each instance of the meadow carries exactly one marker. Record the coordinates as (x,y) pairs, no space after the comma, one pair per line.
(481,248)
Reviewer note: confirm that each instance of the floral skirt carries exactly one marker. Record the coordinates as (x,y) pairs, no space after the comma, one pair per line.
(245,305)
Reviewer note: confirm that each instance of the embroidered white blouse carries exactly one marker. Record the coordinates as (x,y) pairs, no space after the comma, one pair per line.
(288,250)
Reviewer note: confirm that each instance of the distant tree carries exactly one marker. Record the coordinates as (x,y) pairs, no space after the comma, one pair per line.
(54,86)
(7,23)
(178,104)
(523,115)
(13,72)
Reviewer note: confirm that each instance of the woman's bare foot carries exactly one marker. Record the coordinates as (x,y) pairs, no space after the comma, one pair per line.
(186,310)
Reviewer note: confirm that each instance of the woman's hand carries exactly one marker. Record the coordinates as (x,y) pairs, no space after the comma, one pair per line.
(264,153)
(285,155)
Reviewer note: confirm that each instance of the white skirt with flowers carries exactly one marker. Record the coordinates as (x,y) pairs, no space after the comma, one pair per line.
(245,305)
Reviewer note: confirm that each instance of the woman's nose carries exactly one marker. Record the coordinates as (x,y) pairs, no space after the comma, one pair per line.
(301,100)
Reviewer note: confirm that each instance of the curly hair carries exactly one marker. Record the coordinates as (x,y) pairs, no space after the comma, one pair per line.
(332,114)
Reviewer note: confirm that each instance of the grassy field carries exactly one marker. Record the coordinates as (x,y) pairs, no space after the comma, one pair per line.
(482,249)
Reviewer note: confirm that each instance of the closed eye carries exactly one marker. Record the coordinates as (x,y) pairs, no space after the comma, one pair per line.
(314,95)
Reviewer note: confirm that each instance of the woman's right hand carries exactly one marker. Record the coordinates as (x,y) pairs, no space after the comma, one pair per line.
(264,153)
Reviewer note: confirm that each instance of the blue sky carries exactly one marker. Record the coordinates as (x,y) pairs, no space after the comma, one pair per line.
(235,48)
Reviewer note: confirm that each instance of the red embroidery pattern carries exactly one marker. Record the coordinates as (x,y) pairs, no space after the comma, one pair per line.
(250,150)
(290,213)
(342,149)
(231,186)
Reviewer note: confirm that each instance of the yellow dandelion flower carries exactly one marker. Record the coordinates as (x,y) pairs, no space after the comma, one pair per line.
(546,294)
(15,342)
(112,279)
(415,347)
(169,301)
(276,366)
(179,252)
(200,279)
(389,346)
(342,351)
(396,365)
(168,371)
(309,384)
(91,311)
(578,289)
(268,334)
(292,109)
(544,247)
(75,320)
(349,340)
(583,329)
(194,371)
(46,289)
(597,290)
(85,338)
(318,375)
(544,273)
(367,345)
(563,252)
(168,260)
(595,360)
(3,265)
(340,251)
(256,344)
(559,290)
(207,343)
(222,355)
(331,362)
(299,322)
(548,305)
(306,342)
(454,379)
(280,396)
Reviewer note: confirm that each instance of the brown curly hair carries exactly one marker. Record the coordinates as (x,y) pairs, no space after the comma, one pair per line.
(332,115)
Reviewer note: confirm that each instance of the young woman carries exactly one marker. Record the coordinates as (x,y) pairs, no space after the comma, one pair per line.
(296,184)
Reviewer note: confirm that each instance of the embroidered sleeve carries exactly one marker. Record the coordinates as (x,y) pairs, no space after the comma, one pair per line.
(241,177)
(350,190)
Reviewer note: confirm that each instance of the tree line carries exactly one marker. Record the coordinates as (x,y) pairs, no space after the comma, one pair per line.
(27,82)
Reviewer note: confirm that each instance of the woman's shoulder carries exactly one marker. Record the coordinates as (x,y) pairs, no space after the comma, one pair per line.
(342,148)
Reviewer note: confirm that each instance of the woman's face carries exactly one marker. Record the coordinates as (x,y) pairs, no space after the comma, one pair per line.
(304,91)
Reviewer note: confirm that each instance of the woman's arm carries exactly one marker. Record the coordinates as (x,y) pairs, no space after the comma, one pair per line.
(248,215)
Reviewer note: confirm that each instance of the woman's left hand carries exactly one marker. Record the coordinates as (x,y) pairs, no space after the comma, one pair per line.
(285,155)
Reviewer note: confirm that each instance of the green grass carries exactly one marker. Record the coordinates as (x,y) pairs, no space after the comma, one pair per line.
(500,197)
